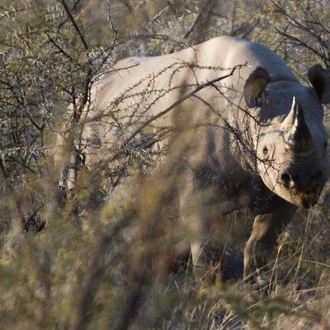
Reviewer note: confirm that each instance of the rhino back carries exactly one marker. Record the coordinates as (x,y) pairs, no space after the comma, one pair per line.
(216,57)
(239,51)
(146,86)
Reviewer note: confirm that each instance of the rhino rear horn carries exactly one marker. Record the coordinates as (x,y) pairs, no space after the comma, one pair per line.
(255,86)
(299,137)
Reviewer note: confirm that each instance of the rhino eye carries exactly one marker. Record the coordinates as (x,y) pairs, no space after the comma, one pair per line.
(325,144)
(265,151)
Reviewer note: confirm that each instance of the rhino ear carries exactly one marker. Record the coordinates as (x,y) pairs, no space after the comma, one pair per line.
(320,80)
(255,86)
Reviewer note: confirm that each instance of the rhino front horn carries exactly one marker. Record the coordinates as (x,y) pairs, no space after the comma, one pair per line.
(299,137)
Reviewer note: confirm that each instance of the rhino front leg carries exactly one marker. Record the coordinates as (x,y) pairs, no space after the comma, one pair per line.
(204,223)
(266,228)
(207,253)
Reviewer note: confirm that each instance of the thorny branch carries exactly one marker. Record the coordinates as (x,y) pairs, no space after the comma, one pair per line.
(74,23)
(178,102)
(312,27)
(123,146)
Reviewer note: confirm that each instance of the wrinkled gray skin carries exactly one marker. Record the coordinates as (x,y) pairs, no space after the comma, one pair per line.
(255,139)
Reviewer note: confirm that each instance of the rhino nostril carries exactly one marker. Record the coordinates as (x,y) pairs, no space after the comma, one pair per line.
(286,180)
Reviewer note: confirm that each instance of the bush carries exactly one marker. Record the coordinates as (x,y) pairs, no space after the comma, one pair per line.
(98,259)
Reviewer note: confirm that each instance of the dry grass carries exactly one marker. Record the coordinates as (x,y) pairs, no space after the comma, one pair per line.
(107,270)
(79,267)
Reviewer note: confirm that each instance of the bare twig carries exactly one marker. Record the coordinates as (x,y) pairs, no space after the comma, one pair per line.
(178,102)
(74,23)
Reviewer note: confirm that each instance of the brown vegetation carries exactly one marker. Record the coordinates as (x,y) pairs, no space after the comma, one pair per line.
(96,260)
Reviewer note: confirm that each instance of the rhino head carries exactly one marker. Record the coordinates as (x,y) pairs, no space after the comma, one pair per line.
(290,139)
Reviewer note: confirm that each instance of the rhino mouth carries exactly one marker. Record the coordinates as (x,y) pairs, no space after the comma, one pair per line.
(309,202)
(307,199)
(302,194)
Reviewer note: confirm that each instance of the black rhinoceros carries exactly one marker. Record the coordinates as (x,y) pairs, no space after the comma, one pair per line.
(244,132)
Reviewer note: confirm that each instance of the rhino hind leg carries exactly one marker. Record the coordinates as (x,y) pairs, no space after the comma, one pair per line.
(261,244)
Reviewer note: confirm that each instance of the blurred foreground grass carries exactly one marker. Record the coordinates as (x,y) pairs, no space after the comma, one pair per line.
(76,267)
(105,270)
